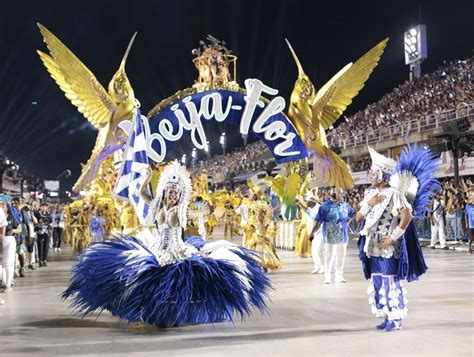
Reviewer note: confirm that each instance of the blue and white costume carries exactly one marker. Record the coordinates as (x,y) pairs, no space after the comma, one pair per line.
(335,217)
(412,184)
(163,280)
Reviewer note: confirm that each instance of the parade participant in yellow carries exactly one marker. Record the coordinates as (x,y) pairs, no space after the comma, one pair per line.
(228,220)
(302,242)
(78,232)
(129,220)
(260,240)
(210,222)
(198,212)
(112,219)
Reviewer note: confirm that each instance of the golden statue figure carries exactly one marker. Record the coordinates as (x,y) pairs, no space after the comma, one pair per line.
(103,109)
(213,62)
(315,112)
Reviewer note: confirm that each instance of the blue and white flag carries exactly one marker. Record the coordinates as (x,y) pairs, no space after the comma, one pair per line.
(131,175)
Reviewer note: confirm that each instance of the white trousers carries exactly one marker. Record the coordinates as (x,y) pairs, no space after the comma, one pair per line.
(8,263)
(335,252)
(437,232)
(317,251)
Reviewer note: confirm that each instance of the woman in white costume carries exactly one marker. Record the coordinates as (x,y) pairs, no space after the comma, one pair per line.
(160,278)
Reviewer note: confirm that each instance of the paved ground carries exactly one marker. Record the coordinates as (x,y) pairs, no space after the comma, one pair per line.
(306,318)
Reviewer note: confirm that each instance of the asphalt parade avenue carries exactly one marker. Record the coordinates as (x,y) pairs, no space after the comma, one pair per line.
(306,317)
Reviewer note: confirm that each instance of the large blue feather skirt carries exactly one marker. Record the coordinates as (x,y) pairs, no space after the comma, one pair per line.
(125,278)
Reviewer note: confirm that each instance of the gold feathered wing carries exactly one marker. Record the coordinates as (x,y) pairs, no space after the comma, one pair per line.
(285,188)
(254,188)
(305,185)
(292,185)
(104,110)
(313,113)
(76,81)
(336,95)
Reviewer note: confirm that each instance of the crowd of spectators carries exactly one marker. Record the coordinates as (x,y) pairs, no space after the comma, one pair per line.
(454,200)
(361,165)
(242,160)
(28,231)
(432,93)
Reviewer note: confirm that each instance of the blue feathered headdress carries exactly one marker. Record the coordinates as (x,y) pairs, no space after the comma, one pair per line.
(416,175)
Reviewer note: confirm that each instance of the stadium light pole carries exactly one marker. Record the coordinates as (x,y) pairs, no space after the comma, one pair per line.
(194,156)
(222,141)
(207,149)
(456,134)
(416,49)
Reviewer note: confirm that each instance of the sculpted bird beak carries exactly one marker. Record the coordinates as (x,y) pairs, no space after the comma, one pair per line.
(298,63)
(124,59)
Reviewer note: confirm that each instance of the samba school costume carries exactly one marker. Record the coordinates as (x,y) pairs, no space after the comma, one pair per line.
(388,246)
(260,236)
(163,280)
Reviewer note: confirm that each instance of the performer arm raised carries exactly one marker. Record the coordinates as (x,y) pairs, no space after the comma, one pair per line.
(143,192)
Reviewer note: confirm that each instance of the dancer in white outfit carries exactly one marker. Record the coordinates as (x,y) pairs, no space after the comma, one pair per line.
(9,228)
(438,224)
(317,241)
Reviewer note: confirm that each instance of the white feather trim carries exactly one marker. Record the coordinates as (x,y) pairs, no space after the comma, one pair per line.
(406,183)
(210,247)
(240,264)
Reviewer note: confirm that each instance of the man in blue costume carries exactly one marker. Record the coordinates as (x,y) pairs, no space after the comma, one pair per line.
(389,249)
(334,216)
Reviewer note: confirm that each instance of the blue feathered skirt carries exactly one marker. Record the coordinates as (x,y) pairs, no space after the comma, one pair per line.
(125,278)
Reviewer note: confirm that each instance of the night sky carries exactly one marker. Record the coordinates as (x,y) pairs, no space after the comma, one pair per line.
(43,132)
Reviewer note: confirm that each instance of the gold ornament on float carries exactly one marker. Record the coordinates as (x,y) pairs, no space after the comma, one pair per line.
(103,109)
(315,112)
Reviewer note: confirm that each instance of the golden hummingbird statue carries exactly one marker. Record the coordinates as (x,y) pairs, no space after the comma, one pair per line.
(314,112)
(103,109)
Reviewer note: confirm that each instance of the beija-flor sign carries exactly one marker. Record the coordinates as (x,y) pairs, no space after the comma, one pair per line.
(216,97)
(247,110)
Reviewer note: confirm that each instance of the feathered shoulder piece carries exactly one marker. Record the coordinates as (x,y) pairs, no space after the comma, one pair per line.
(415,176)
(176,177)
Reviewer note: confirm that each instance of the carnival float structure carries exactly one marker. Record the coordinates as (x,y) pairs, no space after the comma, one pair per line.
(216,96)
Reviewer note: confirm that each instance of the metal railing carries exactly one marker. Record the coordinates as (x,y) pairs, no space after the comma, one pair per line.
(454,228)
(384,133)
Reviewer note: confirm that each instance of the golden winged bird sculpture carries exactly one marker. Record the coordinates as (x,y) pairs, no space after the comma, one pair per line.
(314,112)
(103,109)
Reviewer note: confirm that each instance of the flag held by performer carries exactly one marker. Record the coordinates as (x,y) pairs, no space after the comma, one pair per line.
(135,161)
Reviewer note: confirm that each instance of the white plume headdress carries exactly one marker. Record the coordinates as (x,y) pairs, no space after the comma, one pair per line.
(382,163)
(176,177)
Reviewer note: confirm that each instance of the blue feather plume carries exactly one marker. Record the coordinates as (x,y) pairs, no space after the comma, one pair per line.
(423,164)
(125,278)
(196,241)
